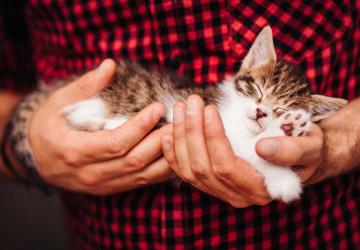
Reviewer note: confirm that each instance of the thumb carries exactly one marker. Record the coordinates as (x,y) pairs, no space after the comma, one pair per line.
(289,151)
(271,149)
(87,85)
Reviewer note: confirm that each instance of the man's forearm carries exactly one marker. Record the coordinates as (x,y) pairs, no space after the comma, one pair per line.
(8,101)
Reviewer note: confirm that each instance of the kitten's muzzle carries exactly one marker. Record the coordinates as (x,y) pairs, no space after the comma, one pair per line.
(256,121)
(260,114)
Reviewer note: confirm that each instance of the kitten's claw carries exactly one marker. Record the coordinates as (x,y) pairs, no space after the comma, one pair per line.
(295,123)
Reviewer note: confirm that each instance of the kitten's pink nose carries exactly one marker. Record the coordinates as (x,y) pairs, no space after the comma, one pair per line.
(260,113)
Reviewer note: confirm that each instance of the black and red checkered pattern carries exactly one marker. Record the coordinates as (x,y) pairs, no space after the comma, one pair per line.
(205,40)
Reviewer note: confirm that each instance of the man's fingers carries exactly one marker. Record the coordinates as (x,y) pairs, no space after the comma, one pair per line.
(195,140)
(288,151)
(223,160)
(87,85)
(198,152)
(157,172)
(139,157)
(106,144)
(167,144)
(169,154)
(219,148)
(181,150)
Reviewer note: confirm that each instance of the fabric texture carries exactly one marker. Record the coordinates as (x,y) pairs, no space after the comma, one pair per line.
(17,70)
(206,40)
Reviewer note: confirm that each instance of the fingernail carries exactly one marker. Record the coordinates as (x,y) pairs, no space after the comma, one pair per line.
(178,114)
(269,147)
(191,107)
(101,70)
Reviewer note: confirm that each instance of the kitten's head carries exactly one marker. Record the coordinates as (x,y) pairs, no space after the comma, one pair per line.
(272,86)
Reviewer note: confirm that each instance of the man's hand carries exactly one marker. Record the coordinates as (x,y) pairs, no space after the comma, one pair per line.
(322,154)
(102,162)
(304,154)
(199,152)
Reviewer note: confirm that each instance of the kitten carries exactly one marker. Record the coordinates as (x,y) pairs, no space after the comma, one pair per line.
(267,97)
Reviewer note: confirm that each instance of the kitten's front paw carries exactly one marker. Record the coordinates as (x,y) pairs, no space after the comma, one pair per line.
(295,122)
(86,115)
(285,187)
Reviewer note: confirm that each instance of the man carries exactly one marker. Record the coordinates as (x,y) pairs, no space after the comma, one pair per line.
(207,41)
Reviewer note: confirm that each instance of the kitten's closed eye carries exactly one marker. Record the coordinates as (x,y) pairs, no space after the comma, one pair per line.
(279,111)
(260,94)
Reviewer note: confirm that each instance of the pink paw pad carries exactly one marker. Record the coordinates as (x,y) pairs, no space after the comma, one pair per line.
(287,128)
(295,123)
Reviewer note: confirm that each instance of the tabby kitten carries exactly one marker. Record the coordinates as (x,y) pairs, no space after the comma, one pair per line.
(266,97)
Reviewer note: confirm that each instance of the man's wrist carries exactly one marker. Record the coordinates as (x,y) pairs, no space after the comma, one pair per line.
(9,166)
(348,121)
(8,102)
(15,150)
(341,142)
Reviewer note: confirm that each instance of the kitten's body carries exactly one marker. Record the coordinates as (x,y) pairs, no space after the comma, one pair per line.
(266,98)
(134,88)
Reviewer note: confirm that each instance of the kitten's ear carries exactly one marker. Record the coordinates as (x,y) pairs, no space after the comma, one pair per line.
(324,106)
(261,52)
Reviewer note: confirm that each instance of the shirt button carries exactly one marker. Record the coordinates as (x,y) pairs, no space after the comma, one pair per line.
(172,63)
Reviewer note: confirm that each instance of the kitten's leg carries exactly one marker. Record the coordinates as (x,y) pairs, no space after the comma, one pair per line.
(115,122)
(86,115)
(91,115)
(281,182)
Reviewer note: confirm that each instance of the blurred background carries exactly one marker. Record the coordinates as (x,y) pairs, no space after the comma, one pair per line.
(29,220)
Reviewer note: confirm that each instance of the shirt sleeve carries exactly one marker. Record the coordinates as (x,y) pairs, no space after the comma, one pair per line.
(17,71)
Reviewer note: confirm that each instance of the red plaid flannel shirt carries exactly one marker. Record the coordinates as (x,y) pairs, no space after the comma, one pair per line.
(205,40)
